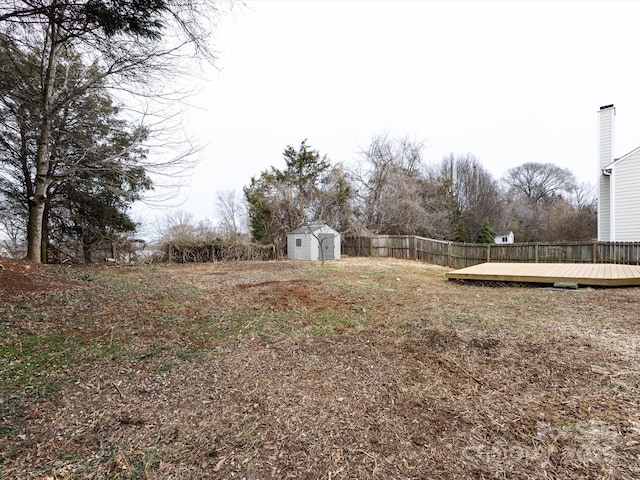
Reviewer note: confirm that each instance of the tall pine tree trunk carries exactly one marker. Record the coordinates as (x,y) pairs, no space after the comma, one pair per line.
(42,179)
(44,243)
(38,199)
(34,231)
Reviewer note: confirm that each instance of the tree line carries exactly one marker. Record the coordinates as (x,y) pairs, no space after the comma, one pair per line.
(76,150)
(76,81)
(391,190)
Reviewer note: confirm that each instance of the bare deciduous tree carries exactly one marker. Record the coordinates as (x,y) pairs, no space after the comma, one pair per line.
(584,196)
(545,203)
(335,200)
(472,194)
(231,214)
(176,227)
(12,226)
(540,182)
(565,222)
(394,196)
(385,161)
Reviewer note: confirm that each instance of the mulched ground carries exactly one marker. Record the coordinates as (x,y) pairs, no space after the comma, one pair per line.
(21,278)
(366,369)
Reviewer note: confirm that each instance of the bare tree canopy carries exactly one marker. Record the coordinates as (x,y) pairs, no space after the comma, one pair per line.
(540,182)
(230,211)
(545,203)
(180,227)
(393,194)
(471,195)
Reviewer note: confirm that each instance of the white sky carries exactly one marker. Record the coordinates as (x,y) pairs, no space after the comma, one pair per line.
(509,82)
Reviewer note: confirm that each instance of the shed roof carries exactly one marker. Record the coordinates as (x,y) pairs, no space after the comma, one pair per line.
(312,228)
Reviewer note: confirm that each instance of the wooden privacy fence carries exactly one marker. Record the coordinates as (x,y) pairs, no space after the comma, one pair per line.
(461,255)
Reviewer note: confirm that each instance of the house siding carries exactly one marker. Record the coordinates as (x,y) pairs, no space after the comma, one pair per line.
(627,199)
(504,238)
(606,137)
(604,209)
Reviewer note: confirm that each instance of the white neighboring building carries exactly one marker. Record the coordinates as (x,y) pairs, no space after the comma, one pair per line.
(306,242)
(618,185)
(505,238)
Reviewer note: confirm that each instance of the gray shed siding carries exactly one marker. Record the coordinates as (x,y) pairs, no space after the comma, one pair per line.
(302,252)
(309,248)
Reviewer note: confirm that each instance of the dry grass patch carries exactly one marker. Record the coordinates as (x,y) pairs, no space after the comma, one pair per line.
(359,369)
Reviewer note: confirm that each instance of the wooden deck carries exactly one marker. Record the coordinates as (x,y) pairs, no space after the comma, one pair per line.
(595,274)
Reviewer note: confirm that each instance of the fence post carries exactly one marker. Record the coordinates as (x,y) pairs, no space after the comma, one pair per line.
(537,253)
(169,253)
(488,252)
(595,252)
(449,254)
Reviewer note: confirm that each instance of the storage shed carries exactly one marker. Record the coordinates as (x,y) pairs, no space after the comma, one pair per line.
(313,242)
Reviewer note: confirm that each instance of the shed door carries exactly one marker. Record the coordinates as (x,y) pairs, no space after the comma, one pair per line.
(326,243)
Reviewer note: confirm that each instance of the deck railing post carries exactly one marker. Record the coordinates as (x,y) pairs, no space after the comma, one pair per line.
(594,253)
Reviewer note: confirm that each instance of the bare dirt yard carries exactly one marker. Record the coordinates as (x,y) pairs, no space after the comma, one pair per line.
(358,369)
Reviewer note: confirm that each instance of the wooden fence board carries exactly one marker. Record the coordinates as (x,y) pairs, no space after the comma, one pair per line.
(461,255)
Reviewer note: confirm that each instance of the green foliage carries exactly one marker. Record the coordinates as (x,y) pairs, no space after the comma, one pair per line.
(95,156)
(472,194)
(459,232)
(121,43)
(449,197)
(280,200)
(258,209)
(135,17)
(32,369)
(486,233)
(304,169)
